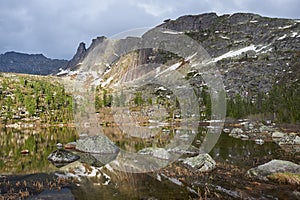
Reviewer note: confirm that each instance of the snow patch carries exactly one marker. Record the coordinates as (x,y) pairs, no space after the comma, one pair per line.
(285,27)
(253,21)
(172,32)
(62,72)
(282,37)
(294,34)
(107,81)
(234,53)
(171,68)
(161,88)
(190,57)
(225,38)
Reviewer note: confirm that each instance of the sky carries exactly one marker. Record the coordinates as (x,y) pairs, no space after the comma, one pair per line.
(56,27)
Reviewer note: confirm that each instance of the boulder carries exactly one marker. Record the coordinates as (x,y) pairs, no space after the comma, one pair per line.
(201,163)
(278,134)
(274,166)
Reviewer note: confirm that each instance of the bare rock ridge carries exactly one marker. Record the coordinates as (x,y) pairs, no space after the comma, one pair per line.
(81,52)
(29,63)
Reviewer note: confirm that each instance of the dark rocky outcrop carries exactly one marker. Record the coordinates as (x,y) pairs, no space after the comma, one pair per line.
(80,53)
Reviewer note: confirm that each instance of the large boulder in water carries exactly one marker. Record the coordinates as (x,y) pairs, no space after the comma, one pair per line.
(274,166)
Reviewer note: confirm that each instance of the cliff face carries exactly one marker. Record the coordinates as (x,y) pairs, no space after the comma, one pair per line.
(29,63)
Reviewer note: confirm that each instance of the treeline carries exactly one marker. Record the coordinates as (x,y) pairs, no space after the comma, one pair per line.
(282,103)
(29,98)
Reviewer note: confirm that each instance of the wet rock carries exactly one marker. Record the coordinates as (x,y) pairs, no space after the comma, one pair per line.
(184,150)
(290,139)
(267,129)
(259,141)
(59,145)
(25,151)
(236,131)
(201,163)
(226,130)
(274,166)
(62,157)
(97,144)
(70,145)
(278,134)
(156,152)
(297,140)
(250,126)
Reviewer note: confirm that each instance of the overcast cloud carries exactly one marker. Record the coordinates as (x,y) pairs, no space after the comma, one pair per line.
(55,27)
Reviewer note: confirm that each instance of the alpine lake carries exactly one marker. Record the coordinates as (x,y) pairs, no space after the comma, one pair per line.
(26,171)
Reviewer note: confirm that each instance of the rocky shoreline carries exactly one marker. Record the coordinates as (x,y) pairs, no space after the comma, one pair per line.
(200,175)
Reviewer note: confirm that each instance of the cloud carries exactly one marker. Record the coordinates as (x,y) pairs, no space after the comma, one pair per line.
(55,27)
(155,9)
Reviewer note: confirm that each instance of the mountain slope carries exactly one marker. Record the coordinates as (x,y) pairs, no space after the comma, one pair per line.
(253,54)
(29,63)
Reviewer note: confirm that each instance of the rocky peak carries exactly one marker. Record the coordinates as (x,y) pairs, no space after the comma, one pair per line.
(80,53)
(191,22)
(96,41)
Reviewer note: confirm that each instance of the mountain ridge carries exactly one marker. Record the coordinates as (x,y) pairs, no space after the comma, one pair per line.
(38,64)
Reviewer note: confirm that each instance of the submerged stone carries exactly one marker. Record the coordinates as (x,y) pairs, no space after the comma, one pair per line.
(160,153)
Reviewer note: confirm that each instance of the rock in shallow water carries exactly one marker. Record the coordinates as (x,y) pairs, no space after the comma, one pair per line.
(201,163)
(274,166)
